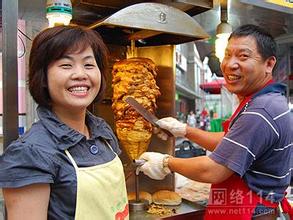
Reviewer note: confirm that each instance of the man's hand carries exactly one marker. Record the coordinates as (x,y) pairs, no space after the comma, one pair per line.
(154,167)
(177,128)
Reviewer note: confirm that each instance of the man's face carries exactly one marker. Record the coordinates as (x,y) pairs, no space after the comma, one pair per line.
(243,68)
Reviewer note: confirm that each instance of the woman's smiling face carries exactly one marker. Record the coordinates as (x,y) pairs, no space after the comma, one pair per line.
(74,80)
(243,67)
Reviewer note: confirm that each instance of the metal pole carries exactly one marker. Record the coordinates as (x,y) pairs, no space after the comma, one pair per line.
(10,74)
(137,199)
(222,104)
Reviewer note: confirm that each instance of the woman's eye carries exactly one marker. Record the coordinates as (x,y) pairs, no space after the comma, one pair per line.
(66,66)
(89,66)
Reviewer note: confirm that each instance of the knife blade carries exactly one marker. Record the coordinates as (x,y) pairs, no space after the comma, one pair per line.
(146,114)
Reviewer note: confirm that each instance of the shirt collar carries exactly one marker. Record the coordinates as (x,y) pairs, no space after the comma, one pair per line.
(66,136)
(98,127)
(272,88)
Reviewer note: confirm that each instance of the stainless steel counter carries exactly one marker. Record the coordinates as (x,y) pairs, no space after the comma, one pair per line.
(187,210)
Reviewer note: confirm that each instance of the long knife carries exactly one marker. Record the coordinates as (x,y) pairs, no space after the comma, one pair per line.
(146,114)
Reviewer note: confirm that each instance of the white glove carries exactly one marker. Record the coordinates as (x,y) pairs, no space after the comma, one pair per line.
(177,128)
(153,167)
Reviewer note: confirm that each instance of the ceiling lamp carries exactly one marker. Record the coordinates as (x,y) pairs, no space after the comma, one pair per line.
(59,12)
(224,30)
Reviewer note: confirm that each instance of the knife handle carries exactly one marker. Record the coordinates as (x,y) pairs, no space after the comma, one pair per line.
(165,131)
(139,162)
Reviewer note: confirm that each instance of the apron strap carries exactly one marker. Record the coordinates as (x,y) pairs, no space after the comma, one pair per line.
(108,144)
(286,207)
(71,159)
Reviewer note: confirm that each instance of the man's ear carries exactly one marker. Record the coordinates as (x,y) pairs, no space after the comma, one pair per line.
(270,64)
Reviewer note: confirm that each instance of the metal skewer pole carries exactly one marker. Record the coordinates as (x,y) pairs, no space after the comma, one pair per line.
(137,204)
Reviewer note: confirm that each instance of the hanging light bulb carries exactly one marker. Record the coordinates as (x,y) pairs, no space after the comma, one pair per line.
(224,30)
(59,12)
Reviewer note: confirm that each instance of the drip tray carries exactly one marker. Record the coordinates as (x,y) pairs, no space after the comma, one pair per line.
(187,210)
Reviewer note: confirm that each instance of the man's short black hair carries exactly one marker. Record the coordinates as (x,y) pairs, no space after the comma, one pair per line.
(266,44)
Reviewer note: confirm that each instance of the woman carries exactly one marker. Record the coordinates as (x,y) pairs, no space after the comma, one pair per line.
(66,166)
(191,119)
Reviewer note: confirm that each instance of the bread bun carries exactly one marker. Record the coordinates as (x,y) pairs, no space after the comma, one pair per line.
(166,197)
(142,195)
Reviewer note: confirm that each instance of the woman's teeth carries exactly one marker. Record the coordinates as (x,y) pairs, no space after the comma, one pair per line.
(78,89)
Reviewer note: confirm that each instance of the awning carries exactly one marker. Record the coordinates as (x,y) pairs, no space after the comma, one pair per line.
(213,87)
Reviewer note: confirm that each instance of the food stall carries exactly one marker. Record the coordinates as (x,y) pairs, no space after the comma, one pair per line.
(149,30)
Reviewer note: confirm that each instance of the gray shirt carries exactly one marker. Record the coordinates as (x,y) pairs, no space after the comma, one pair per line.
(38,157)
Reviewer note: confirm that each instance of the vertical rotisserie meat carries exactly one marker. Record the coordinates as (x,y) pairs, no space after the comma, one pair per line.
(134,77)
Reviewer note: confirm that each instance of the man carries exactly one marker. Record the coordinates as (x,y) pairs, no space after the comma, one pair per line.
(249,166)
